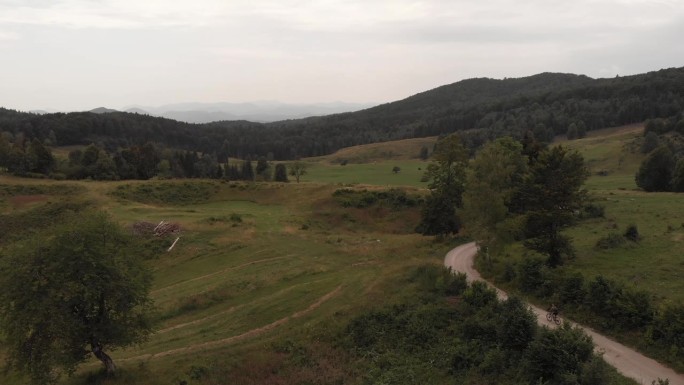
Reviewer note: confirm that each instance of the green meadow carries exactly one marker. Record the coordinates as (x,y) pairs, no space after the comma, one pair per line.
(261,267)
(256,263)
(377,173)
(654,263)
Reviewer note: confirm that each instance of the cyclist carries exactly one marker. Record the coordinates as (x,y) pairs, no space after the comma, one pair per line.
(554,310)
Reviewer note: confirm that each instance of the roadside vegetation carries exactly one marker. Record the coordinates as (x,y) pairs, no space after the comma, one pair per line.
(621,278)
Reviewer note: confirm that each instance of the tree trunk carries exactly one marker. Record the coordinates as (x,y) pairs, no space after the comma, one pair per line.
(104,357)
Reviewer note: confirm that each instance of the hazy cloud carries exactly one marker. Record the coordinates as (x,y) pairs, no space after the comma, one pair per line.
(78,54)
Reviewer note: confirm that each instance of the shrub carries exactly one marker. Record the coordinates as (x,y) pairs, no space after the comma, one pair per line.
(457,284)
(530,274)
(517,326)
(479,294)
(571,289)
(556,353)
(167,192)
(667,328)
(439,280)
(595,371)
(593,210)
(610,241)
(620,307)
(600,293)
(394,198)
(632,233)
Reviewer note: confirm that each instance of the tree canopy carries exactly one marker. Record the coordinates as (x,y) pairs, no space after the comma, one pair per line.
(79,290)
(655,173)
(550,195)
(494,175)
(446,174)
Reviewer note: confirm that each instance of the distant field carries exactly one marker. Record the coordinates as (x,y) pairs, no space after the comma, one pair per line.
(372,164)
(407,149)
(376,173)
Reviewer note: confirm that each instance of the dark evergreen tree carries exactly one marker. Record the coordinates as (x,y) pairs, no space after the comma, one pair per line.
(5,148)
(651,142)
(551,195)
(280,173)
(424,153)
(572,132)
(446,174)
(655,172)
(678,176)
(263,169)
(247,172)
(39,158)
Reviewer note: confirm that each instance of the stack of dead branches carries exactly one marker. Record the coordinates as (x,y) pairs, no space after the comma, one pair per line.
(143,228)
(165,228)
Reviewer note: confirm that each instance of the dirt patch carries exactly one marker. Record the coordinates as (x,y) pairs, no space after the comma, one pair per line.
(21,201)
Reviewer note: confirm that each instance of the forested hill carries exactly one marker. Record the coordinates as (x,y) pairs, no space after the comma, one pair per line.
(546,104)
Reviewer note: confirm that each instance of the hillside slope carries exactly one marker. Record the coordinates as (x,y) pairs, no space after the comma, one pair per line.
(546,104)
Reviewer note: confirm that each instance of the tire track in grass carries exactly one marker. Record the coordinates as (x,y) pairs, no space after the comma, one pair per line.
(246,335)
(199,320)
(231,309)
(218,272)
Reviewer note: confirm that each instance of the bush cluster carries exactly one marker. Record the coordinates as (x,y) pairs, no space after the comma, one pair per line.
(36,189)
(473,339)
(167,192)
(608,304)
(613,304)
(393,198)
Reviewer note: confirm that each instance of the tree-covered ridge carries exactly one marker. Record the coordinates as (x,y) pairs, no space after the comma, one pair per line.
(547,104)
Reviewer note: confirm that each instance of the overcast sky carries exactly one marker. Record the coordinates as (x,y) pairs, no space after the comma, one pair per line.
(81,54)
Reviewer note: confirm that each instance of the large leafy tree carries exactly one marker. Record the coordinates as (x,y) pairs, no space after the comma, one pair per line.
(80,290)
(297,169)
(496,172)
(655,172)
(550,196)
(446,174)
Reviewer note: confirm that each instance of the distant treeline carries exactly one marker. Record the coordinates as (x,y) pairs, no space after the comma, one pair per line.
(33,159)
(546,105)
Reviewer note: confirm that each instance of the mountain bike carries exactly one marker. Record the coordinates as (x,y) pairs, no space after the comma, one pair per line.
(553,317)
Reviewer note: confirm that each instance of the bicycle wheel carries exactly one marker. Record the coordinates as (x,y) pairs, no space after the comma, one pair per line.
(557,320)
(549,316)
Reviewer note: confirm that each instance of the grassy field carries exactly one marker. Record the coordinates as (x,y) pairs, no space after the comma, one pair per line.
(255,264)
(655,263)
(377,173)
(261,265)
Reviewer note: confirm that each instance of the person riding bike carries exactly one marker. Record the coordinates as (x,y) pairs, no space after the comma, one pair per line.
(553,310)
(552,314)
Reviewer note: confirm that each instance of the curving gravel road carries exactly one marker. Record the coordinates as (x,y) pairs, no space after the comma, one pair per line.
(627,361)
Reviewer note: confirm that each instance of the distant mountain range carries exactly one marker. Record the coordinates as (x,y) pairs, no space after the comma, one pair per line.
(264,111)
(541,106)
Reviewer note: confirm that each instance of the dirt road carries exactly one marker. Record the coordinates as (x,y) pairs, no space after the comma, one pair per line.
(627,361)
